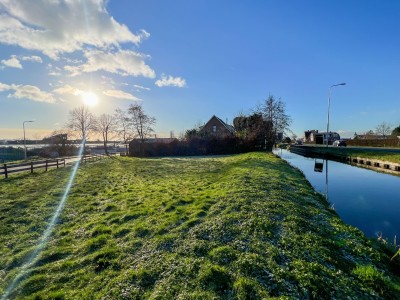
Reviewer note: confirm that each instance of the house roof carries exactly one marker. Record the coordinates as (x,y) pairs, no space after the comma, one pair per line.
(227,126)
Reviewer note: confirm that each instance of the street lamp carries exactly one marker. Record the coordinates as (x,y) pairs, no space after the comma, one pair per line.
(329,105)
(23,126)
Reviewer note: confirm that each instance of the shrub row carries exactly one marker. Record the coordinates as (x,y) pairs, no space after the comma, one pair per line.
(196,146)
(389,142)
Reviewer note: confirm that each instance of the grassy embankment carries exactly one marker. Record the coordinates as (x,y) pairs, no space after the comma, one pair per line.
(245,227)
(379,155)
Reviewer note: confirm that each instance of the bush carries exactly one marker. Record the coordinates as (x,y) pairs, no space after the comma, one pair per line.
(195,146)
(389,142)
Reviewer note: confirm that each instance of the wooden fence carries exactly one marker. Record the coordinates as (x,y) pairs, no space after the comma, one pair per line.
(6,169)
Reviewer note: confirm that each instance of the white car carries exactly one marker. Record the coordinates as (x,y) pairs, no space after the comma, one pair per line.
(339,143)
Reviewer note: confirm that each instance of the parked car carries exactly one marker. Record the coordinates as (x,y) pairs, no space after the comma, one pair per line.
(339,143)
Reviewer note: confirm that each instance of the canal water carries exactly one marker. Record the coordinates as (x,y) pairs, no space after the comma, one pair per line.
(363,198)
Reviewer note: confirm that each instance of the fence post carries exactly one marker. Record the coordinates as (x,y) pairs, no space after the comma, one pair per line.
(5,171)
(31,167)
(57,163)
(64,162)
(46,164)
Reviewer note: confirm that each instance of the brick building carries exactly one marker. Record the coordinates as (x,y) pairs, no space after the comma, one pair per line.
(216,127)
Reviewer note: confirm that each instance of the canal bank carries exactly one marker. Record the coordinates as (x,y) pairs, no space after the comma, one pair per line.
(374,159)
(367,200)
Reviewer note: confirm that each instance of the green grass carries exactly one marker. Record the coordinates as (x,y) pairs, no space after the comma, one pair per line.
(235,227)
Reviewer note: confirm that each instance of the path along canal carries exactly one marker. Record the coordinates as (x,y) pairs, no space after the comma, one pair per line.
(363,198)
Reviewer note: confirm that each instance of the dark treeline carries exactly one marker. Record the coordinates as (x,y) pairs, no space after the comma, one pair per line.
(192,147)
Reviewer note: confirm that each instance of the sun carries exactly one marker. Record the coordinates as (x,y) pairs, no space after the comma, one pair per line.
(90,99)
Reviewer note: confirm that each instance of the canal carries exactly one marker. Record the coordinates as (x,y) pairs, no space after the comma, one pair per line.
(363,198)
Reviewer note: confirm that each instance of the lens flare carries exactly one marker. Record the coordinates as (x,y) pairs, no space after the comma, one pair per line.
(25,271)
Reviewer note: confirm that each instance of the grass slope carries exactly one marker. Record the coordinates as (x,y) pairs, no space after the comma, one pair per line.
(235,227)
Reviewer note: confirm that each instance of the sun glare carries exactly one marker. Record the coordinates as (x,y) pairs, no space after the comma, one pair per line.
(90,99)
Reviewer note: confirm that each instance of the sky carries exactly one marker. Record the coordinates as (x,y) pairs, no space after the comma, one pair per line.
(186,61)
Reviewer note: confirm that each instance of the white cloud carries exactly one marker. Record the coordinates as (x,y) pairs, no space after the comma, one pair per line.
(12,62)
(54,73)
(68,90)
(4,87)
(60,26)
(33,58)
(29,92)
(141,87)
(123,62)
(120,94)
(53,70)
(171,81)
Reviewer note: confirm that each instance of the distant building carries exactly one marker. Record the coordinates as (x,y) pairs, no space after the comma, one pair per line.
(217,128)
(322,137)
(309,136)
(56,139)
(314,136)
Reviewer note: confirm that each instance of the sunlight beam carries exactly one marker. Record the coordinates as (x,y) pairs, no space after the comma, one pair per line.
(25,271)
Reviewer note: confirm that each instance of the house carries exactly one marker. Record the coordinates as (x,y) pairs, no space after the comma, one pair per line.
(309,136)
(217,128)
(322,137)
(314,136)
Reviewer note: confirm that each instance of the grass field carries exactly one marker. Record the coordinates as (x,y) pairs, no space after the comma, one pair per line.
(235,227)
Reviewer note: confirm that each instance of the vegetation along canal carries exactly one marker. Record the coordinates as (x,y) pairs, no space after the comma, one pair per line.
(363,198)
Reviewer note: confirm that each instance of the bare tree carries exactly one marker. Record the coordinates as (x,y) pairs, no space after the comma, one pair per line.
(383,129)
(141,123)
(274,111)
(81,120)
(106,125)
(123,130)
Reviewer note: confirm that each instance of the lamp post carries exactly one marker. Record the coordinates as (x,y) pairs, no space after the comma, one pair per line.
(329,105)
(23,126)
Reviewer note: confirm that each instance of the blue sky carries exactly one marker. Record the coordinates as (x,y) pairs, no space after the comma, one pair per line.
(188,60)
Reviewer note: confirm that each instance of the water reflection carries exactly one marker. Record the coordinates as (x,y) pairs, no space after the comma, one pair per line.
(363,198)
(319,167)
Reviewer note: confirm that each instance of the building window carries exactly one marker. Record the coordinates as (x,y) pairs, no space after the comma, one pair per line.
(214,128)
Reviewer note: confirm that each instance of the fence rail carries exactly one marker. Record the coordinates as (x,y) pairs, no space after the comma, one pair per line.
(6,169)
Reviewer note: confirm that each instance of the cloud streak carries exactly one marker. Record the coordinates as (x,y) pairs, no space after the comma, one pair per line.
(33,58)
(29,92)
(120,95)
(122,62)
(170,81)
